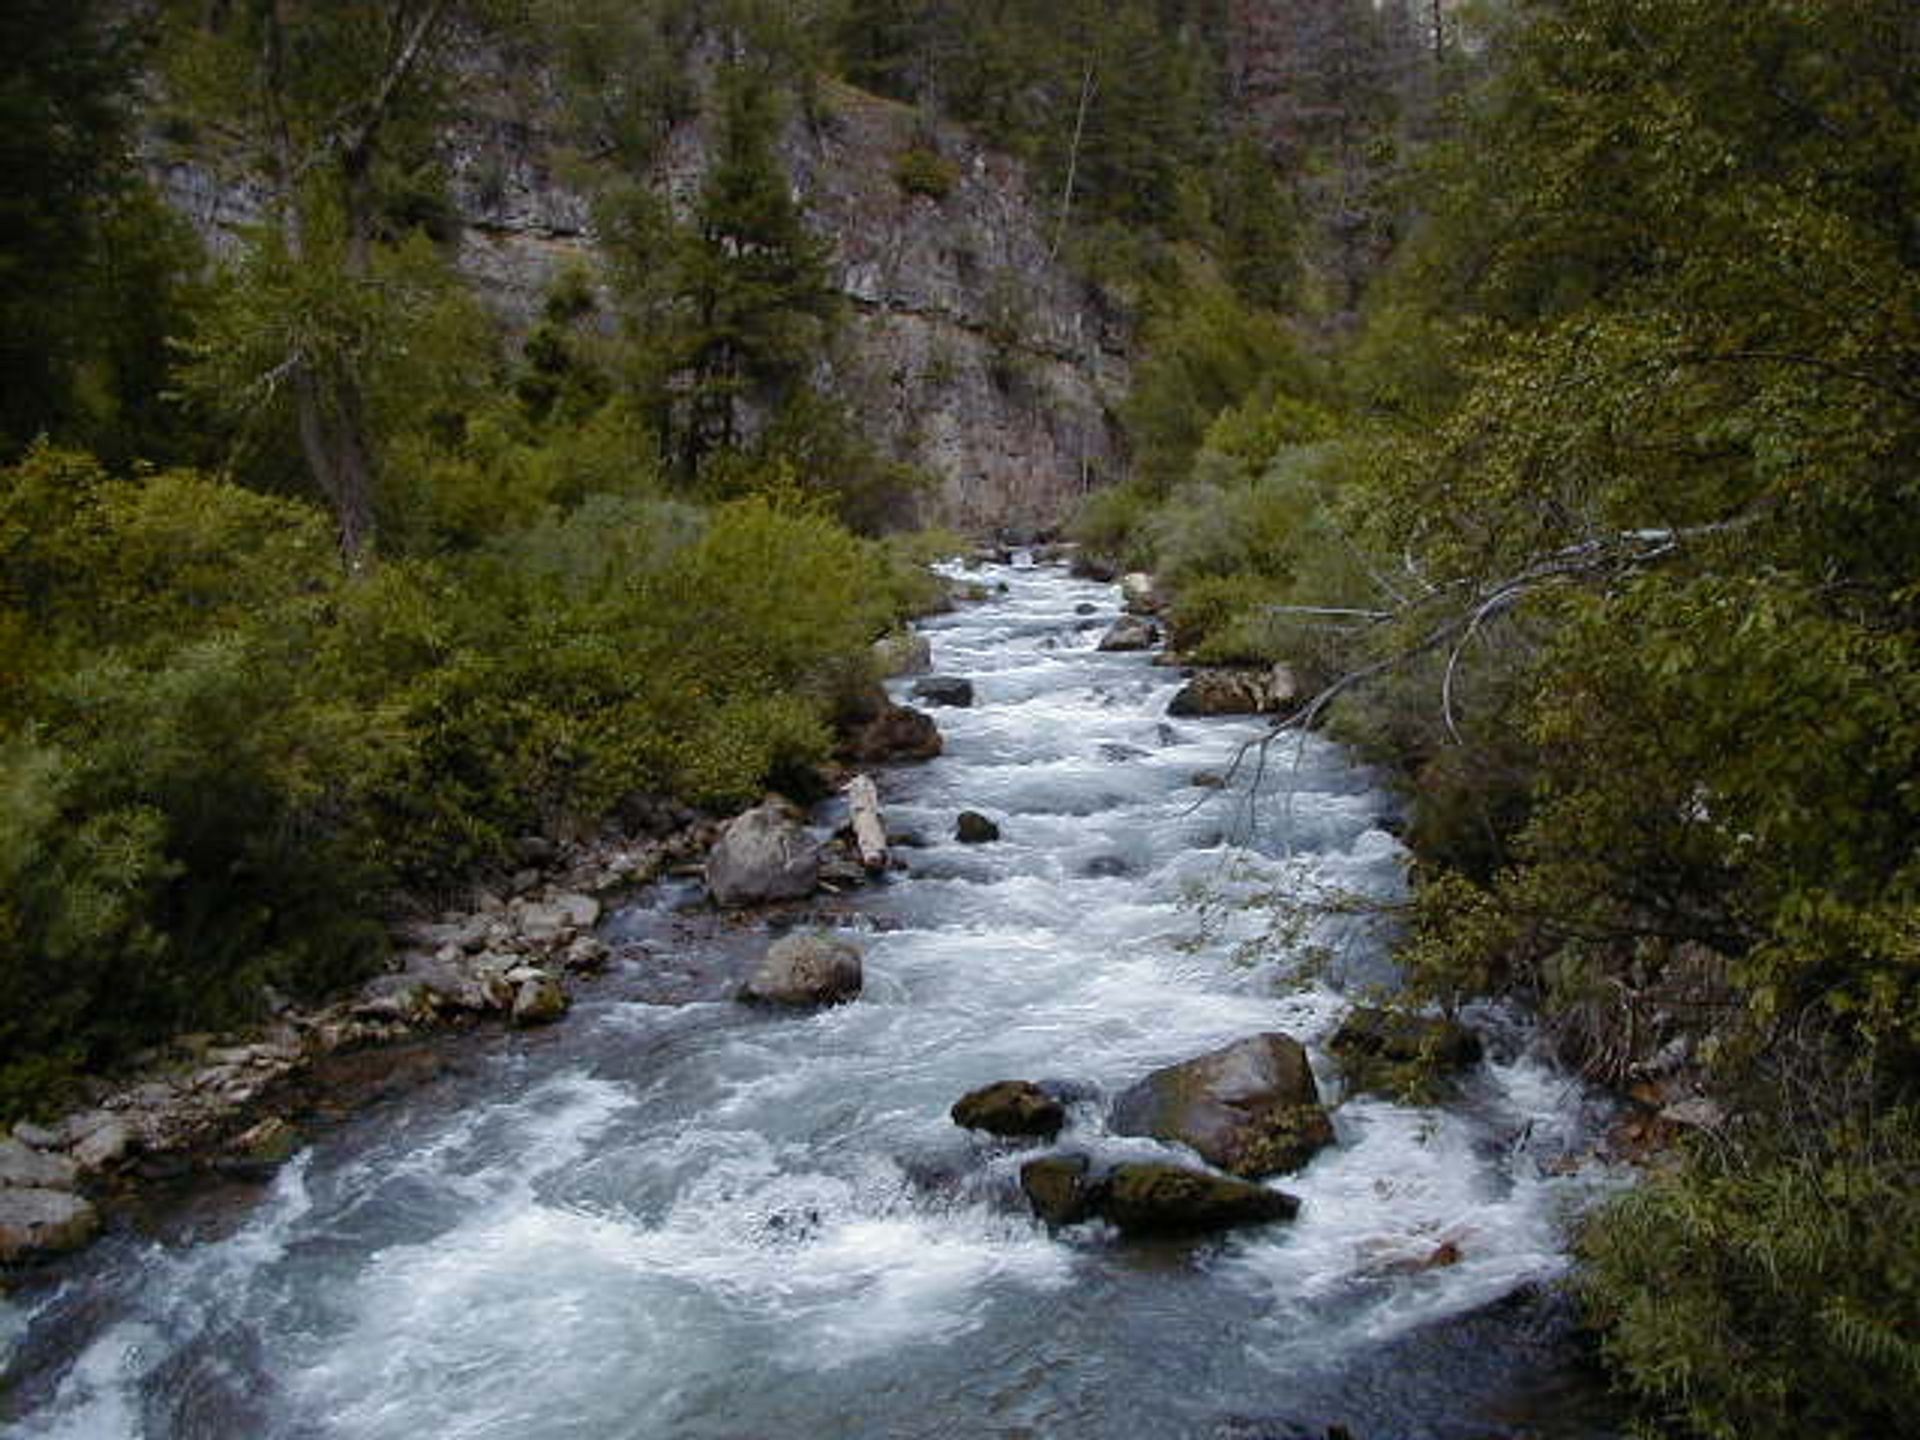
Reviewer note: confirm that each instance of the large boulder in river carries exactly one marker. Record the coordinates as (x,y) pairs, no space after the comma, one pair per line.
(1237,692)
(892,732)
(1252,1108)
(37,1223)
(1060,1188)
(1156,1199)
(764,854)
(1395,1050)
(806,972)
(955,691)
(1130,633)
(1013,1108)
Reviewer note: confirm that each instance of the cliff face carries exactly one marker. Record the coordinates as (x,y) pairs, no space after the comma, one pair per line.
(966,351)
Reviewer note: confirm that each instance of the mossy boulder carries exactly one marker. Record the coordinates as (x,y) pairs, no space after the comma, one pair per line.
(1251,1108)
(973,828)
(1157,1199)
(1013,1108)
(1060,1188)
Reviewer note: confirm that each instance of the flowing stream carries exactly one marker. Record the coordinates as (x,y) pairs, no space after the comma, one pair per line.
(674,1216)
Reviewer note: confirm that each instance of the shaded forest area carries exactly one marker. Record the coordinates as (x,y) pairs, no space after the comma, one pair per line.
(1539,379)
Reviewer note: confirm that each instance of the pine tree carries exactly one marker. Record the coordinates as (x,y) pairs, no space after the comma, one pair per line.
(755,295)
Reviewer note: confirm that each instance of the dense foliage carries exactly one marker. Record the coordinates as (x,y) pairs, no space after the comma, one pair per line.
(1612,535)
(412,591)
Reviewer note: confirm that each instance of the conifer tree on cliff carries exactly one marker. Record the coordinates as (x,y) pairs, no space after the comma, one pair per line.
(752,281)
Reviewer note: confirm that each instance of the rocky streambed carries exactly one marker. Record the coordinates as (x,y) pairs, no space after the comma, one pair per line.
(1050,1130)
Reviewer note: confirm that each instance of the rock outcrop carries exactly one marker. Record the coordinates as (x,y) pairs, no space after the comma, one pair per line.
(1251,1108)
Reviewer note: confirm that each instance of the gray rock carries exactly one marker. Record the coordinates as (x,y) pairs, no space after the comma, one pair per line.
(1251,1108)
(1130,633)
(1014,1108)
(24,1168)
(38,1136)
(1156,1199)
(1059,1189)
(37,1223)
(804,971)
(586,956)
(973,828)
(105,1148)
(762,855)
(950,690)
(538,1000)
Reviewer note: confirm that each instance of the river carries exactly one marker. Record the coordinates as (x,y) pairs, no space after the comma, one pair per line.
(674,1216)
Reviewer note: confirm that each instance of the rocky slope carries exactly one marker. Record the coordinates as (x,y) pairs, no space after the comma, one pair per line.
(968,350)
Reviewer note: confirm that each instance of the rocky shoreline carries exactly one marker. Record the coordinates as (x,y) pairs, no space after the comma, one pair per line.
(231,1104)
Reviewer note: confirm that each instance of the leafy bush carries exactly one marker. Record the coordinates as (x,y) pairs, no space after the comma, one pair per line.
(1771,1286)
(921,171)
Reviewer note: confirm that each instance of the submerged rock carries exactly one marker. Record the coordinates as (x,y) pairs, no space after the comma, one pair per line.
(1011,1108)
(973,828)
(1252,1108)
(1155,1199)
(35,1223)
(763,855)
(950,690)
(806,971)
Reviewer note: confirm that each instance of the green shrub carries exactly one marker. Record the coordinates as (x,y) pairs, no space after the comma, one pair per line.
(923,171)
(1769,1289)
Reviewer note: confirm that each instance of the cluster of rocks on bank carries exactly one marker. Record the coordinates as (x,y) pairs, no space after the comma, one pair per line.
(224,1104)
